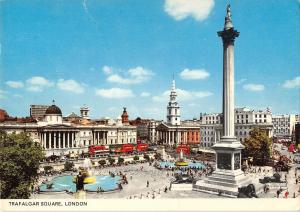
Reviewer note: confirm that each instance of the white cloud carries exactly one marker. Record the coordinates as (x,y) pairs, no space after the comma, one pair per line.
(254,87)
(115,93)
(133,76)
(15,84)
(107,70)
(194,74)
(293,83)
(181,9)
(70,85)
(145,94)
(183,95)
(37,84)
(241,81)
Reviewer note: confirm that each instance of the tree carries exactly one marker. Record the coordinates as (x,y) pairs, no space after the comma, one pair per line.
(111,160)
(120,160)
(146,157)
(258,146)
(102,162)
(20,157)
(68,166)
(136,157)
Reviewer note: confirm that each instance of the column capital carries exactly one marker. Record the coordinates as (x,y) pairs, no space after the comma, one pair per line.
(228,36)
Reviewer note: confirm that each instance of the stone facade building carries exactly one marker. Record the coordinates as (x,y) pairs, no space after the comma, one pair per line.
(61,137)
(174,132)
(283,126)
(245,120)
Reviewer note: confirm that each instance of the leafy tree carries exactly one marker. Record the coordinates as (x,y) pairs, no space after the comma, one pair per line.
(111,160)
(136,157)
(19,164)
(48,169)
(258,146)
(120,160)
(147,158)
(68,166)
(102,162)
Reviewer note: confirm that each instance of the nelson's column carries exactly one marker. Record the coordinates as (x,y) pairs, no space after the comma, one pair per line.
(228,176)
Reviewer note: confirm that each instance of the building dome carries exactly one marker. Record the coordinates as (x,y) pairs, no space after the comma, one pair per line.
(53,110)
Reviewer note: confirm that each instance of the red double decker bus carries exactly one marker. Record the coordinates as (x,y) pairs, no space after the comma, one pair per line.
(126,148)
(96,150)
(142,147)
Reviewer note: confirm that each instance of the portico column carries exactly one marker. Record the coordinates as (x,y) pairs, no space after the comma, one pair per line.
(72,139)
(50,140)
(44,140)
(59,140)
(64,140)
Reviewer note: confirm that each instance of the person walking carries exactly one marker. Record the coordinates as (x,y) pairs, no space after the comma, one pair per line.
(147,183)
(277,193)
(286,194)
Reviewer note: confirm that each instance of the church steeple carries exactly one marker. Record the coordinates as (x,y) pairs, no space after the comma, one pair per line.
(173,109)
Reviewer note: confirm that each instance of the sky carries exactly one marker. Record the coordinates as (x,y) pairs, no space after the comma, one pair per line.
(114,54)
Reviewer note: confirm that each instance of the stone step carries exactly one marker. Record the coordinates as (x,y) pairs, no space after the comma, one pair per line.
(221,183)
(216,189)
(217,178)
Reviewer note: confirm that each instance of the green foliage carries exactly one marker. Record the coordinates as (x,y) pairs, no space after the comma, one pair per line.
(120,160)
(68,166)
(258,146)
(147,158)
(20,158)
(111,160)
(48,169)
(136,157)
(102,162)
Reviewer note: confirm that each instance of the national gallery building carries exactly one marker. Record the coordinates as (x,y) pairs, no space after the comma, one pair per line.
(73,134)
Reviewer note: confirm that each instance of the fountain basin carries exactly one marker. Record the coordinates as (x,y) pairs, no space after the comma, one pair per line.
(169,164)
(102,183)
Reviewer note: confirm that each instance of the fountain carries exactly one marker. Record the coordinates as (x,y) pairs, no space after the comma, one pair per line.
(85,181)
(181,162)
(85,175)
